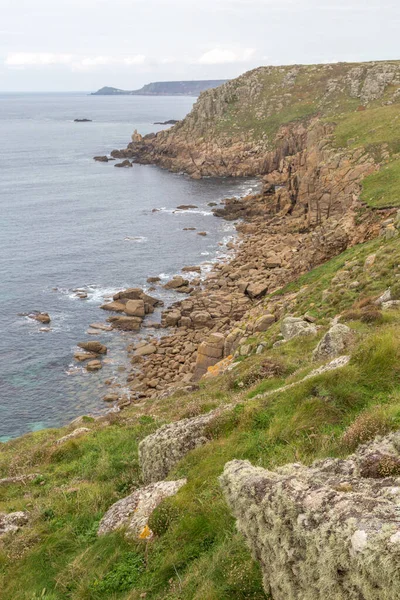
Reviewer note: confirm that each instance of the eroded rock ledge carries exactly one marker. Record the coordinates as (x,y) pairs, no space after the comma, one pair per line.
(331,530)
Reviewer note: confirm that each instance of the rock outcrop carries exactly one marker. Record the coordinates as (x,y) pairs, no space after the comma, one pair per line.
(334,342)
(133,512)
(331,530)
(294,327)
(162,450)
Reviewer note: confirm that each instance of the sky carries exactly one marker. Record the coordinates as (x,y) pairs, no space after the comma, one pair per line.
(82,45)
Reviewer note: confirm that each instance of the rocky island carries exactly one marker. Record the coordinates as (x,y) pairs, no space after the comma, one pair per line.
(257,455)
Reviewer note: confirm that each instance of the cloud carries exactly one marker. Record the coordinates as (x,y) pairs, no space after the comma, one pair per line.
(34,59)
(75,62)
(221,56)
(139,59)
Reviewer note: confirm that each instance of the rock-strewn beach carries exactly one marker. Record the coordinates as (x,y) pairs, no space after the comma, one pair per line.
(307,212)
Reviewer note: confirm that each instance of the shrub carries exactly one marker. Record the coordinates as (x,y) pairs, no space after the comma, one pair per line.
(366,427)
(163,516)
(266,370)
(372,315)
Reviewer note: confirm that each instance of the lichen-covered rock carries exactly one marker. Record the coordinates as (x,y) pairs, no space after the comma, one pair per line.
(133,512)
(12,522)
(162,450)
(334,342)
(294,326)
(331,530)
(76,433)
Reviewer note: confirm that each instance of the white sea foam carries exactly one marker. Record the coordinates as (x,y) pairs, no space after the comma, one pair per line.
(139,239)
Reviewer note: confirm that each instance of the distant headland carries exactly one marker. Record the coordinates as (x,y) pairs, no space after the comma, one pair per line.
(164,88)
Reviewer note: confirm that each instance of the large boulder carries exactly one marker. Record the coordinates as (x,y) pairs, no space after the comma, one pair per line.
(292,327)
(42,317)
(134,511)
(331,530)
(201,318)
(93,346)
(145,350)
(94,365)
(125,323)
(135,308)
(162,450)
(263,323)
(334,342)
(209,353)
(176,282)
(257,289)
(114,306)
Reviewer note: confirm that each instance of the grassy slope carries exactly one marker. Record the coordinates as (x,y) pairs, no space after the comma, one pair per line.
(197,554)
(377,130)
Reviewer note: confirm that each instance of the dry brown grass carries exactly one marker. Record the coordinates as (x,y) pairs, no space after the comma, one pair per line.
(366,427)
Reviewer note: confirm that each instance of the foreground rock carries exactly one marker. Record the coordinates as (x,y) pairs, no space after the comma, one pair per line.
(12,522)
(331,530)
(162,450)
(133,512)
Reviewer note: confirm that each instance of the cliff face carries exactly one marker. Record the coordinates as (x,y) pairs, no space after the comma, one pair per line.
(247,125)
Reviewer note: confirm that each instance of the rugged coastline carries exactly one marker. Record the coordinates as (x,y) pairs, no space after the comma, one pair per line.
(275,393)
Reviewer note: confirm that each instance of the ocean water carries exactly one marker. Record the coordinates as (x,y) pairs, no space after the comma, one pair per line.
(68,222)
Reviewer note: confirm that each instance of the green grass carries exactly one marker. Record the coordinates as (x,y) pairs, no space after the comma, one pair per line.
(382,189)
(369,128)
(197,553)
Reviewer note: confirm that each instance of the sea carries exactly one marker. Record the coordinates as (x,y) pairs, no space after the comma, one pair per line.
(68,225)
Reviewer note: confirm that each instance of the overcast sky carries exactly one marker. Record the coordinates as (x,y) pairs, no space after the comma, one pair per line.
(63,45)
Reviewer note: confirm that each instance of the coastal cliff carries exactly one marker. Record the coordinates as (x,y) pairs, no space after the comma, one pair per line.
(247,125)
(285,355)
(164,88)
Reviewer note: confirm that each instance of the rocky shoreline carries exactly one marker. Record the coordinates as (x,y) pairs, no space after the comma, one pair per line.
(307,212)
